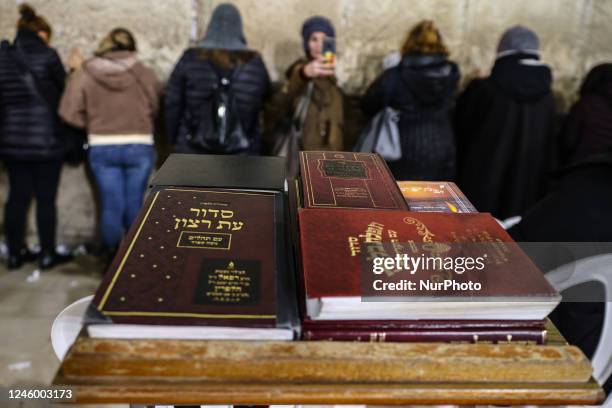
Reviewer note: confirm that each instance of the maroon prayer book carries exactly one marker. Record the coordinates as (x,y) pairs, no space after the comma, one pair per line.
(348,180)
(339,248)
(199,257)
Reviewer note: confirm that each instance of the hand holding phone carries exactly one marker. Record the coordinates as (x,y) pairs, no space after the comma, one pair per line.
(329,50)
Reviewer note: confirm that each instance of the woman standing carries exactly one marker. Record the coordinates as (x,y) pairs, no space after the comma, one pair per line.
(31,83)
(506,129)
(116,98)
(323,118)
(218,80)
(421,88)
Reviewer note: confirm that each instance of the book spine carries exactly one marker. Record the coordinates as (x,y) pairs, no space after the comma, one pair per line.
(424,325)
(400,336)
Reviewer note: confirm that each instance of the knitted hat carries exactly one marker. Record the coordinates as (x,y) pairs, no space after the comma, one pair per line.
(224,30)
(518,39)
(314,24)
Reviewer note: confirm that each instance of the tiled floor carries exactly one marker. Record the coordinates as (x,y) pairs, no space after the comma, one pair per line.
(29,301)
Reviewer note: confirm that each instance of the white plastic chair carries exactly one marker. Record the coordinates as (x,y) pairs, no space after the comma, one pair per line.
(67,326)
(593,269)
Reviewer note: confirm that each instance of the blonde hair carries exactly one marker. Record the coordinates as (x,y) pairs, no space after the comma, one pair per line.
(119,39)
(31,21)
(424,38)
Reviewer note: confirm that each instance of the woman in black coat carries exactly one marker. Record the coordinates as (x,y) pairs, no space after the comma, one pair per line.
(421,88)
(31,83)
(505,126)
(222,53)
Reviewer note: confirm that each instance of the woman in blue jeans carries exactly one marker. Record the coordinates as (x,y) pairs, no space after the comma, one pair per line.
(115,97)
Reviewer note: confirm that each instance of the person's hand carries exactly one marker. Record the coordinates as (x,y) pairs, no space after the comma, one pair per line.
(75,59)
(319,67)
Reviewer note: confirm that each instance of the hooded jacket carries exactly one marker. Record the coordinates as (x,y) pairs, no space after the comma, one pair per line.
(421,88)
(29,126)
(222,53)
(505,127)
(194,81)
(114,95)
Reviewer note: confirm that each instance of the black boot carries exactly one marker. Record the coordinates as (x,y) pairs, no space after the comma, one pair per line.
(16,261)
(50,259)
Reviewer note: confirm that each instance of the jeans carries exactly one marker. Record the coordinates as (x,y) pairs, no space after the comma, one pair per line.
(121,173)
(27,179)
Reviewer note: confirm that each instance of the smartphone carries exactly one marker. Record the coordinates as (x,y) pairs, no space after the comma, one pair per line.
(329,50)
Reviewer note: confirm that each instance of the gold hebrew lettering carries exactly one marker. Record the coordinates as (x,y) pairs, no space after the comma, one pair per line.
(222,223)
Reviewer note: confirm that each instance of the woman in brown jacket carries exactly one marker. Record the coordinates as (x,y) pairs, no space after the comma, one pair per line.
(323,122)
(116,98)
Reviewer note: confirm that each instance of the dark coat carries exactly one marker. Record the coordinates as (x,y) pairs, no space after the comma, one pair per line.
(577,210)
(587,129)
(505,127)
(193,82)
(422,88)
(29,125)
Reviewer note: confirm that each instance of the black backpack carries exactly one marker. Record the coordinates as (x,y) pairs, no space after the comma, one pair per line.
(218,128)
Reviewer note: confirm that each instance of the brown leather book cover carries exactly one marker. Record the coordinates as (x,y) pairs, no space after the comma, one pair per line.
(348,180)
(338,248)
(197,256)
(429,336)
(435,196)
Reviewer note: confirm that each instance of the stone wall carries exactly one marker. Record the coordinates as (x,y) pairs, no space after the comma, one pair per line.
(575,35)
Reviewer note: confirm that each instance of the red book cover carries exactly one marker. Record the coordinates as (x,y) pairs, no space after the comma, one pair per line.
(196,256)
(435,196)
(348,180)
(429,336)
(423,325)
(339,246)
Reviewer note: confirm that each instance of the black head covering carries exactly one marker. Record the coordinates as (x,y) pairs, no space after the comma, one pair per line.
(597,79)
(224,30)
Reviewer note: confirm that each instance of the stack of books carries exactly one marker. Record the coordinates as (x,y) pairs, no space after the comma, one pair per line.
(225,248)
(373,268)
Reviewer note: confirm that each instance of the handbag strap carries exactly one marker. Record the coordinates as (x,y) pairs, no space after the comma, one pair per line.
(29,77)
(391,86)
(301,110)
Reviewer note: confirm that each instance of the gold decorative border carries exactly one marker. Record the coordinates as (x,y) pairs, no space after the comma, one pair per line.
(127,253)
(356,157)
(172,314)
(229,245)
